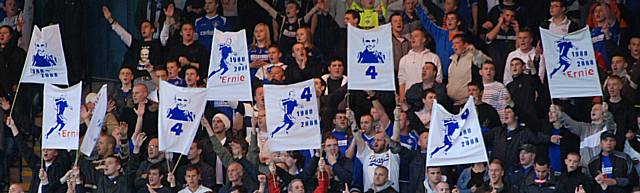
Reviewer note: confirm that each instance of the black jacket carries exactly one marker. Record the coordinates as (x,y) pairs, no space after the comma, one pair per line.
(530,99)
(294,74)
(625,117)
(530,186)
(487,116)
(506,144)
(623,172)
(11,62)
(122,183)
(569,181)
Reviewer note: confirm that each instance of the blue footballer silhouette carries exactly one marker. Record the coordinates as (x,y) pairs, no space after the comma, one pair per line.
(61,106)
(288,105)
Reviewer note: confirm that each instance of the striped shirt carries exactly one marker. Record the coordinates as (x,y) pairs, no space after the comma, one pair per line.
(496,95)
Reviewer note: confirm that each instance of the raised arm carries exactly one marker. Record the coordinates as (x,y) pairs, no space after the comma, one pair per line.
(573,126)
(254,151)
(223,153)
(428,25)
(384,118)
(32,158)
(272,12)
(125,36)
(491,35)
(164,33)
(313,11)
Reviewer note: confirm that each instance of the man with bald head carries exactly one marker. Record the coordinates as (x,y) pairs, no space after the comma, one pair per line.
(236,177)
(16,188)
(381,183)
(154,156)
(141,108)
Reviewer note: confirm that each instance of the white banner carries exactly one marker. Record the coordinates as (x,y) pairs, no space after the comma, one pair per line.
(228,77)
(179,116)
(571,66)
(292,116)
(370,59)
(45,61)
(97,120)
(455,139)
(61,117)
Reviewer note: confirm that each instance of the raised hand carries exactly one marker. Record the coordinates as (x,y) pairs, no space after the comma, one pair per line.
(262,179)
(111,106)
(169,10)
(321,164)
(107,14)
(350,116)
(139,139)
(5,104)
(123,129)
(140,110)
(538,49)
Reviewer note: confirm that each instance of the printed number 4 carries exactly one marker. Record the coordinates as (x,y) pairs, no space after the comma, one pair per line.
(177,128)
(371,71)
(306,94)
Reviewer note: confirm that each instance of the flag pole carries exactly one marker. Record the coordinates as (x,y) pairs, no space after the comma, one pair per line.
(167,161)
(77,156)
(41,155)
(14,98)
(176,166)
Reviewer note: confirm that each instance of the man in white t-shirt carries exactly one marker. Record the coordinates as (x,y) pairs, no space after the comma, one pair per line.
(380,155)
(193,182)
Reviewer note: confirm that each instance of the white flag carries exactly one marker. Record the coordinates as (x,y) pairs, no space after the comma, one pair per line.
(228,77)
(61,117)
(179,116)
(97,120)
(571,64)
(370,59)
(45,61)
(455,139)
(292,116)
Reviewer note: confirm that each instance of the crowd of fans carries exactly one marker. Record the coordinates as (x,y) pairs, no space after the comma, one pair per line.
(373,141)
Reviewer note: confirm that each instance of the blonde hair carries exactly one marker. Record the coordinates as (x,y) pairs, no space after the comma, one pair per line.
(254,45)
(309,41)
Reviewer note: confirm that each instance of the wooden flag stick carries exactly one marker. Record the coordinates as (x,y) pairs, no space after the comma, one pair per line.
(15,96)
(176,166)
